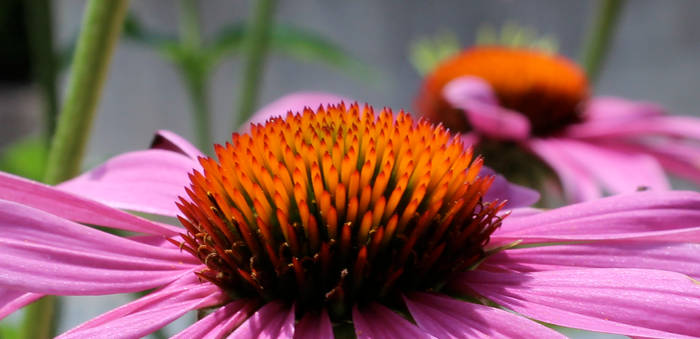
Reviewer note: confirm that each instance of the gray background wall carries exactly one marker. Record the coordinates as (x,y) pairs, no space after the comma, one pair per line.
(655,56)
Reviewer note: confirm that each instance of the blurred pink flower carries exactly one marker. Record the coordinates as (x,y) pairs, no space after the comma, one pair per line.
(540,104)
(620,265)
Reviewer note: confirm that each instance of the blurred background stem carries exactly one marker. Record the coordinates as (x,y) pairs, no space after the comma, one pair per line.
(102,22)
(195,71)
(40,24)
(256,45)
(599,36)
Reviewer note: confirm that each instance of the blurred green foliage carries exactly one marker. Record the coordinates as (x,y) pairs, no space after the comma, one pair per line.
(514,35)
(9,332)
(25,157)
(287,40)
(427,52)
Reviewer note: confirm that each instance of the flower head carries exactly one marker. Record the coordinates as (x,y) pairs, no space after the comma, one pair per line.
(536,107)
(548,89)
(287,236)
(334,208)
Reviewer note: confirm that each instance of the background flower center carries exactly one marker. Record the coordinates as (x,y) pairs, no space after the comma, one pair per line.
(548,89)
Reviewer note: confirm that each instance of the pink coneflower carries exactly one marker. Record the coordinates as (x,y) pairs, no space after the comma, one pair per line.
(537,107)
(343,221)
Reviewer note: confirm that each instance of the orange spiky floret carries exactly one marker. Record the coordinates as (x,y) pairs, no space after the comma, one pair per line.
(337,206)
(546,88)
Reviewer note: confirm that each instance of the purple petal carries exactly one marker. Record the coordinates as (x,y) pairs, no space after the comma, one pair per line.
(42,253)
(664,215)
(502,189)
(524,212)
(314,326)
(676,156)
(377,321)
(169,141)
(578,183)
(75,208)
(295,102)
(620,109)
(476,98)
(469,138)
(635,302)
(618,172)
(150,313)
(611,117)
(144,181)
(11,301)
(274,320)
(445,317)
(667,256)
(218,323)
(669,126)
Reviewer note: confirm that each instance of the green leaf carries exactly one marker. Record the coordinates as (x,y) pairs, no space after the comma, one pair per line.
(26,157)
(309,46)
(134,30)
(303,45)
(168,46)
(227,41)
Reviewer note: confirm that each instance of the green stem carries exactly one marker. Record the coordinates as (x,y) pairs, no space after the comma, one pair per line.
(40,319)
(102,23)
(197,87)
(189,24)
(599,36)
(256,43)
(194,71)
(41,40)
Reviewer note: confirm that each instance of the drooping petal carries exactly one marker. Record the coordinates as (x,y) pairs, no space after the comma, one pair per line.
(502,189)
(377,321)
(274,320)
(469,138)
(144,181)
(476,98)
(445,317)
(676,156)
(148,314)
(314,326)
(668,256)
(618,172)
(615,118)
(75,208)
(636,302)
(578,184)
(43,253)
(295,102)
(220,322)
(169,141)
(669,126)
(615,109)
(11,301)
(651,215)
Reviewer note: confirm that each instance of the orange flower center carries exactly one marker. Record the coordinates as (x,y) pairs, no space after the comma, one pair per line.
(548,89)
(336,207)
